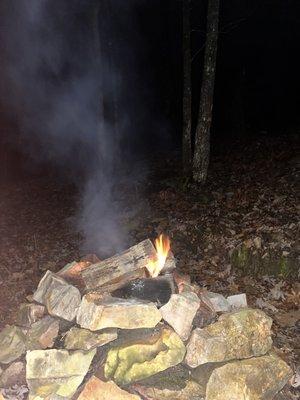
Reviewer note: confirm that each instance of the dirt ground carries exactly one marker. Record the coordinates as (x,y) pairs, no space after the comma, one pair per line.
(249,202)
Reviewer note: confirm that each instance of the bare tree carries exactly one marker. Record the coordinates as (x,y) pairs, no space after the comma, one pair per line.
(202,137)
(187,89)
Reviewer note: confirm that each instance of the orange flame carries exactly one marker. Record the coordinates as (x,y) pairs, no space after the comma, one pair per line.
(162,246)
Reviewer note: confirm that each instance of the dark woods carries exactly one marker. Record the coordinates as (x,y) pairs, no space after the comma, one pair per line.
(241,48)
(158,75)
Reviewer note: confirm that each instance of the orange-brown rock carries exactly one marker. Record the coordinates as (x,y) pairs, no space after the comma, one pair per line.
(72,271)
(95,389)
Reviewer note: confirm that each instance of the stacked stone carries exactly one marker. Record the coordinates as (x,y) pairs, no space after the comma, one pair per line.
(77,341)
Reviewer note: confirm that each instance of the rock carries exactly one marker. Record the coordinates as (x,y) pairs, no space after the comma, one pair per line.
(60,298)
(135,361)
(181,281)
(56,373)
(206,313)
(237,335)
(175,378)
(173,383)
(13,375)
(255,379)
(180,311)
(83,339)
(237,301)
(191,391)
(12,344)
(219,302)
(202,374)
(72,272)
(42,333)
(96,314)
(95,389)
(29,313)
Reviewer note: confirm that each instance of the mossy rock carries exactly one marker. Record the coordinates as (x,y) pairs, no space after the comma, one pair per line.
(133,362)
(248,261)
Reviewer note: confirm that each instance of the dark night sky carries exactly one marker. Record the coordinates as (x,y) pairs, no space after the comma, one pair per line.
(257,82)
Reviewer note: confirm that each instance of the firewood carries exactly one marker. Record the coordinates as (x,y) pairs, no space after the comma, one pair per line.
(118,266)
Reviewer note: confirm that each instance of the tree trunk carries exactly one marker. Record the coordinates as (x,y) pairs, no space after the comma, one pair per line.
(202,139)
(187,89)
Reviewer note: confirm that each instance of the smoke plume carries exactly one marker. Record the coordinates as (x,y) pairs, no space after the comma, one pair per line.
(62,82)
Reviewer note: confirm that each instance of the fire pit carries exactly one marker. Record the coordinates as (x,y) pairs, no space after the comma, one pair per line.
(131,327)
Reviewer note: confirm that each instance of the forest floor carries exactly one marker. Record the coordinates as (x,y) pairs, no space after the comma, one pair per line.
(248,203)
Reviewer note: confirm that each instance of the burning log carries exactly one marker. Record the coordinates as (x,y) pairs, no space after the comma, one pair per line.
(120,266)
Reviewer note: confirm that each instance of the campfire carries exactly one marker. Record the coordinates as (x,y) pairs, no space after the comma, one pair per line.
(132,327)
(162,246)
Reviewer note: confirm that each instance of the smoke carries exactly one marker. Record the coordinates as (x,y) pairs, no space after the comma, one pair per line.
(63,84)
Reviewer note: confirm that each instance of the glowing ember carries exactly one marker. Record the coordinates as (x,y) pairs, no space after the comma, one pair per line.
(162,245)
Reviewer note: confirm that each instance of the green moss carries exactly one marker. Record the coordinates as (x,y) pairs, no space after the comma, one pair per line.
(255,263)
(127,364)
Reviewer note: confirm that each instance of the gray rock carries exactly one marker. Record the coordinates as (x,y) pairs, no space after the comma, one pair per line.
(60,298)
(237,301)
(96,314)
(218,301)
(56,373)
(12,344)
(237,335)
(180,311)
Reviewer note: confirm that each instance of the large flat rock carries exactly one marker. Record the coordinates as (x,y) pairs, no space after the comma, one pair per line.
(139,360)
(96,314)
(258,378)
(60,298)
(237,335)
(56,373)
